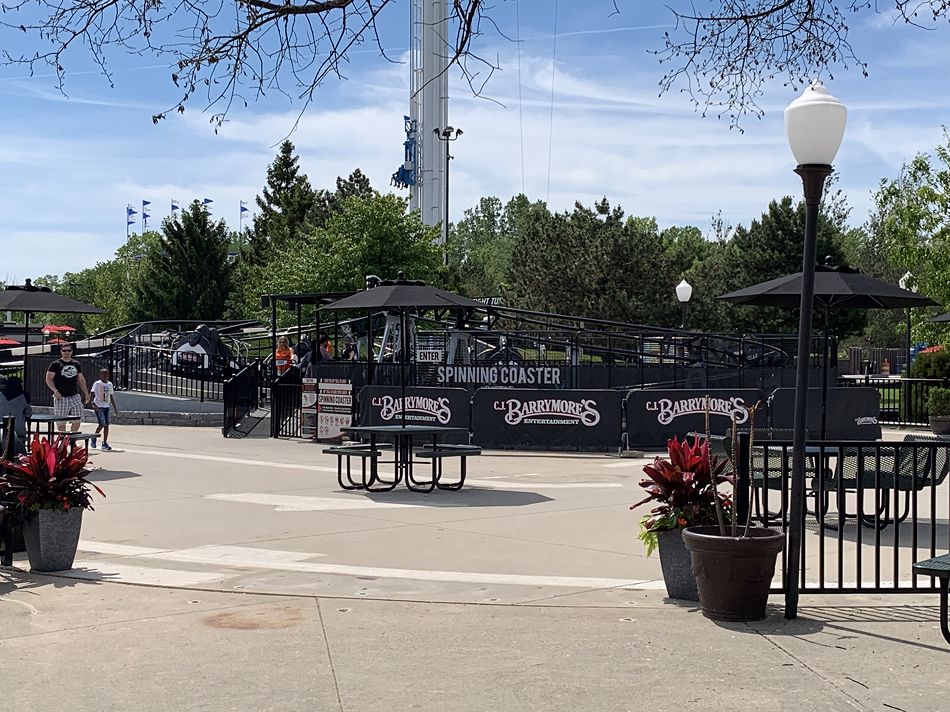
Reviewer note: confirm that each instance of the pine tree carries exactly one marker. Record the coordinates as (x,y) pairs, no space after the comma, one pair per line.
(326,203)
(284,204)
(186,275)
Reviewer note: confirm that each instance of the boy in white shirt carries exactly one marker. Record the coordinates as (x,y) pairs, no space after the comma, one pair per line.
(104,404)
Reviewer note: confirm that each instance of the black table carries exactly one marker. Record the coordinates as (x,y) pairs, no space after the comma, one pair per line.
(50,420)
(403,443)
(939,568)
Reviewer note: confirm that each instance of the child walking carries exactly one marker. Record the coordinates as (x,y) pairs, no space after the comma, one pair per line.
(104,404)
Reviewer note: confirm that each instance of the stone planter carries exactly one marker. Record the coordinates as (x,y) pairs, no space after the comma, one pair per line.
(51,538)
(733,575)
(940,424)
(676,565)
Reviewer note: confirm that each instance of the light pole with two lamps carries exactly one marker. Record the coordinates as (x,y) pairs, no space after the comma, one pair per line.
(814,124)
(684,291)
(449,133)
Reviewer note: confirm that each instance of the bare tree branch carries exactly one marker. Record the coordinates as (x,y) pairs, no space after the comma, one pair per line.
(722,53)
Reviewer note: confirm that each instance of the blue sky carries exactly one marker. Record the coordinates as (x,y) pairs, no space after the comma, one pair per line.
(71,164)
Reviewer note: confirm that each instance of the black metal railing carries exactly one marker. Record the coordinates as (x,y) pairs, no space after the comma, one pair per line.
(241,395)
(286,406)
(903,400)
(159,370)
(872,508)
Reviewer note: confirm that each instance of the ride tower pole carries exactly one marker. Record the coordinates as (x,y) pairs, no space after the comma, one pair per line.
(429,99)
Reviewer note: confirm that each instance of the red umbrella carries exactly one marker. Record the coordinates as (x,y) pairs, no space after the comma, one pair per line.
(56,329)
(9,342)
(931,350)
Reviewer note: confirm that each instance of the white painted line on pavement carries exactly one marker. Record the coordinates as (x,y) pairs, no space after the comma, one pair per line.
(623,464)
(272,560)
(240,556)
(232,460)
(107,571)
(496,484)
(108,547)
(298,503)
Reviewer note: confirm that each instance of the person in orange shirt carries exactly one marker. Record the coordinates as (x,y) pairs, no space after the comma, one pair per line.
(284,357)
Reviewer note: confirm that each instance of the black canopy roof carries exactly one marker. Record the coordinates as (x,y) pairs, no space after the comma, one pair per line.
(32,298)
(835,287)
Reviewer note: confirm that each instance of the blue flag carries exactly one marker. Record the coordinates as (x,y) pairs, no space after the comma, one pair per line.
(129,211)
(243,207)
(175,205)
(146,202)
(206,201)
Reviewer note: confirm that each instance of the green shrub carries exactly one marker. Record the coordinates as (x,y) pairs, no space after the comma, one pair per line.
(938,404)
(932,365)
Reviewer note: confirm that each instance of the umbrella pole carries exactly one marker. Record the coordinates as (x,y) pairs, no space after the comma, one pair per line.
(26,345)
(402,363)
(824,378)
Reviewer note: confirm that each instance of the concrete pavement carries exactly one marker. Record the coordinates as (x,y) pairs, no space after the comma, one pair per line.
(234,575)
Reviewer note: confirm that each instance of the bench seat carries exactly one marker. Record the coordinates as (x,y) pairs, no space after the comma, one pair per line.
(939,568)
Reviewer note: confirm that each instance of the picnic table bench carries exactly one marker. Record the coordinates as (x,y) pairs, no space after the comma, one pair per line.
(442,450)
(939,568)
(364,451)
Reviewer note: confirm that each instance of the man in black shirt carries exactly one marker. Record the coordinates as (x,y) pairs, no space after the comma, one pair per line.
(64,378)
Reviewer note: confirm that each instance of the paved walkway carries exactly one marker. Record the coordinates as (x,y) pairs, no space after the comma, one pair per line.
(261,586)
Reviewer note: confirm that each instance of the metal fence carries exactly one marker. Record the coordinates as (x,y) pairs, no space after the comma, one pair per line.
(241,394)
(286,401)
(872,510)
(154,369)
(903,400)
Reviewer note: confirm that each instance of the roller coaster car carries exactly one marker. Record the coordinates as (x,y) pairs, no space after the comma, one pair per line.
(501,354)
(201,353)
(762,356)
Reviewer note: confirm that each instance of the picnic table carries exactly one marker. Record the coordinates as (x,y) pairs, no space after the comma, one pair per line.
(50,421)
(410,441)
(939,568)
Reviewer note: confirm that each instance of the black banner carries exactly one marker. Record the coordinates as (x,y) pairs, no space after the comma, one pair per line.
(852,413)
(382,405)
(653,417)
(546,419)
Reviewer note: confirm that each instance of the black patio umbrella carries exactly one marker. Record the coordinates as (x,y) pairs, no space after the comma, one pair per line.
(402,295)
(835,288)
(941,319)
(30,298)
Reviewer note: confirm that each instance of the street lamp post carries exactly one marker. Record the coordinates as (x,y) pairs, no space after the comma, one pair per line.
(907,282)
(684,291)
(814,124)
(445,135)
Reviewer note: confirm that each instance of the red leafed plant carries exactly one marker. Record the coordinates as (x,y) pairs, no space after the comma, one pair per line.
(685,487)
(52,476)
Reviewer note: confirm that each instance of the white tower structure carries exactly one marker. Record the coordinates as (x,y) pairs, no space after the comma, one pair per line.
(429,100)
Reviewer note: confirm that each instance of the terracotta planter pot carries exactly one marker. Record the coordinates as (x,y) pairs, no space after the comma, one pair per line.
(733,575)
(676,565)
(52,538)
(940,424)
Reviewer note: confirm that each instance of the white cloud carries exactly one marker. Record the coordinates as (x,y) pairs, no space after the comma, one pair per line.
(68,175)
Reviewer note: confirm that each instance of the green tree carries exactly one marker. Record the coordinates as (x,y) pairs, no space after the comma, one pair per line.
(364,235)
(186,274)
(480,248)
(912,220)
(283,205)
(597,262)
(327,202)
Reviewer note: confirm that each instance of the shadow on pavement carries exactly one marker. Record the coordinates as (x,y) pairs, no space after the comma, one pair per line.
(468,497)
(15,579)
(109,475)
